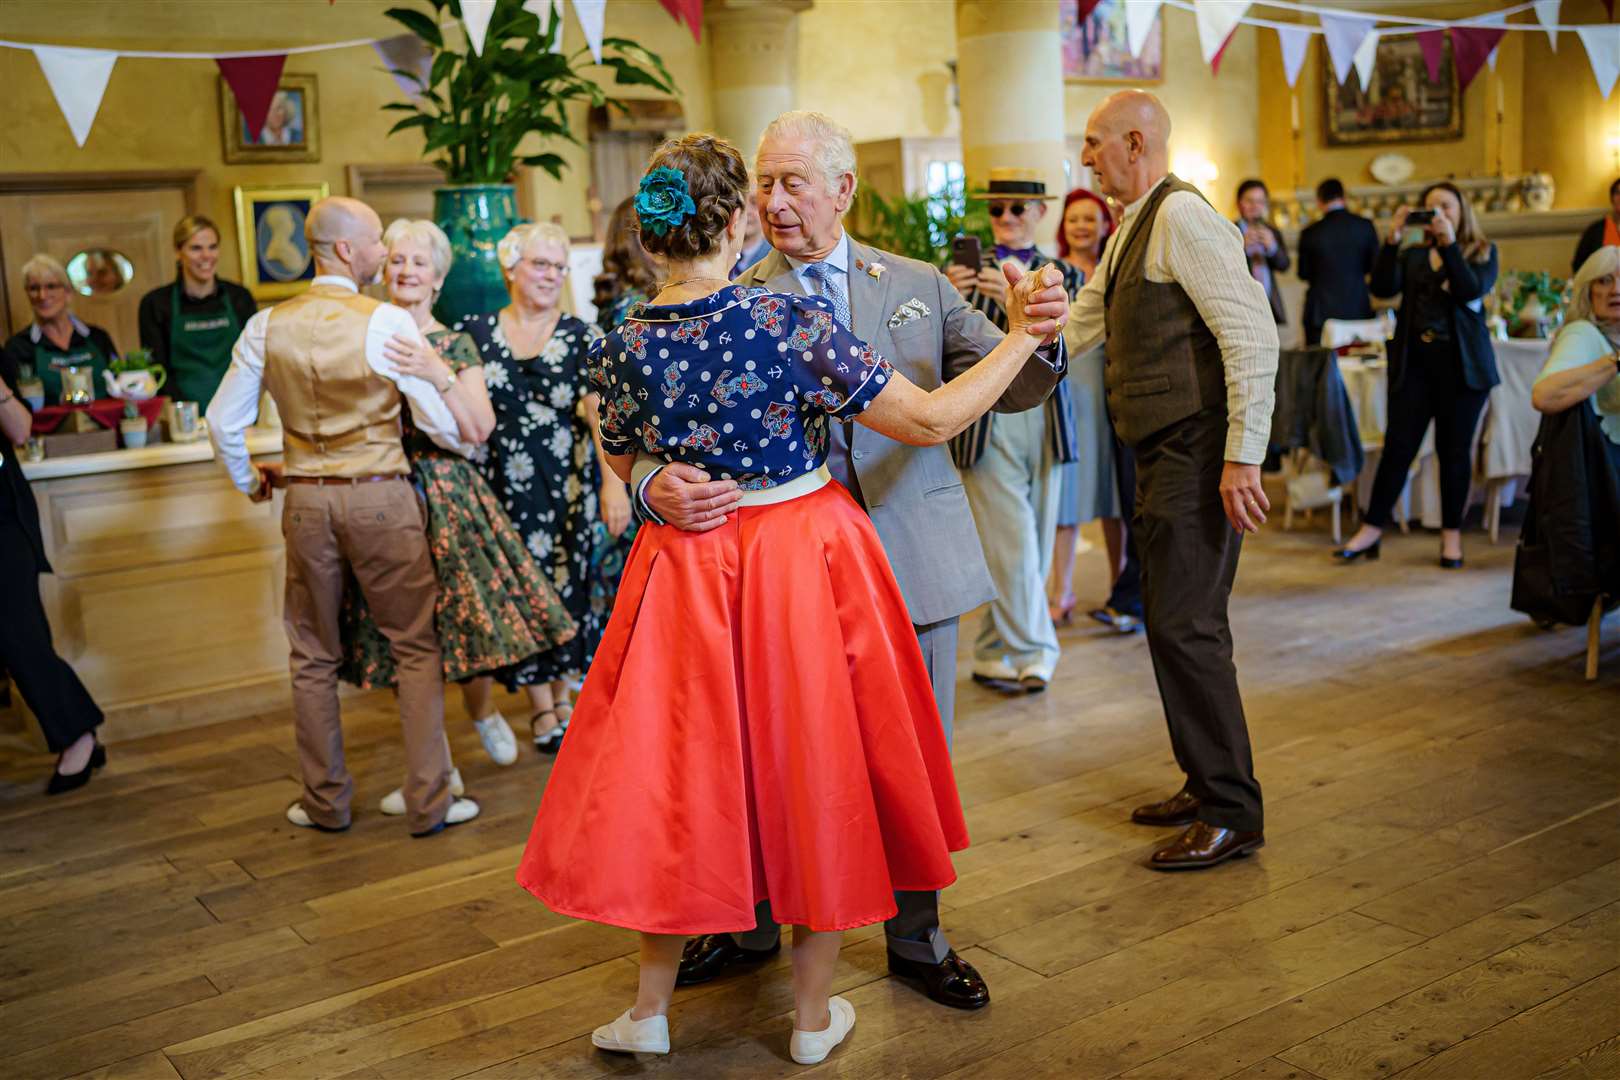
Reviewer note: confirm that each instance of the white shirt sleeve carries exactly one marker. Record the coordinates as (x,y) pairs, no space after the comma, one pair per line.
(236,404)
(432,415)
(1085,328)
(1204,255)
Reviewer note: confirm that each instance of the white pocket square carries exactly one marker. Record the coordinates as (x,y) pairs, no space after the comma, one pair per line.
(909,311)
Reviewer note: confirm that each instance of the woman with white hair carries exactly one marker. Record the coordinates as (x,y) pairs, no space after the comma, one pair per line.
(496,608)
(57,340)
(544,460)
(1584,363)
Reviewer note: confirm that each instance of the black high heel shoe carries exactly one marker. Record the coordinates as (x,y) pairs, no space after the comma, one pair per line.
(63,782)
(1451,564)
(1350,555)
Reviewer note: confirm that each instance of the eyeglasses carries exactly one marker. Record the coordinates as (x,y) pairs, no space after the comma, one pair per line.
(547,264)
(1016,209)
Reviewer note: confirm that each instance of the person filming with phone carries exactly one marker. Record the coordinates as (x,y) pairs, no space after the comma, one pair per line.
(1441,364)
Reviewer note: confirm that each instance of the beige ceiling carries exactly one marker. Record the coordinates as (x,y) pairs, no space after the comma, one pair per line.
(197,24)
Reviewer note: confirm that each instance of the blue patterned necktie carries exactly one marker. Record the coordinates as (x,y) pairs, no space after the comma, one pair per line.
(827,284)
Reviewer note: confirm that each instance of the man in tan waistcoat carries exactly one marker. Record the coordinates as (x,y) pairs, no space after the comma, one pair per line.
(349,505)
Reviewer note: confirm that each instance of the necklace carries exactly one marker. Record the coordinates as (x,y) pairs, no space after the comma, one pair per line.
(687,281)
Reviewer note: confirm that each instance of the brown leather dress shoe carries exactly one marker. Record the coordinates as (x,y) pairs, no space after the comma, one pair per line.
(1179,809)
(1204,845)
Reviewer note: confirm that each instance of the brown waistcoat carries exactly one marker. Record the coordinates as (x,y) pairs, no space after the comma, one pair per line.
(1164,364)
(339,417)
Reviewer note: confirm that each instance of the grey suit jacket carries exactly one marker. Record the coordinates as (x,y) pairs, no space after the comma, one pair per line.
(914,493)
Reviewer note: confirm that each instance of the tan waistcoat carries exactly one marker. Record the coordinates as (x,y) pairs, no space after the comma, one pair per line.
(339,417)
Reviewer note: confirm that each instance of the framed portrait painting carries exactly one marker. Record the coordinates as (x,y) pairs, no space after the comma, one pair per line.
(291,132)
(1400,104)
(1095,49)
(276,260)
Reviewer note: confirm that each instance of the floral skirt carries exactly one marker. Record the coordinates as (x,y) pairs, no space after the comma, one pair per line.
(496,608)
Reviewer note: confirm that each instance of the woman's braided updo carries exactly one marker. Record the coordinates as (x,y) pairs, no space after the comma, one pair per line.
(717,180)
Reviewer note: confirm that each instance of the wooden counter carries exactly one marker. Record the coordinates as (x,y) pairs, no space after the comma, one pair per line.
(168,586)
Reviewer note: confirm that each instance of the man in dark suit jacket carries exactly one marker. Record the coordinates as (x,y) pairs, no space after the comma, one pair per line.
(1336,254)
(1262,243)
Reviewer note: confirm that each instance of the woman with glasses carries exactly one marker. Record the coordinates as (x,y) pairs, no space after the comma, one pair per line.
(57,340)
(544,460)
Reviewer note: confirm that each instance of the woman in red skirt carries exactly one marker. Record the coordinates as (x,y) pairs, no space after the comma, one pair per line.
(759,722)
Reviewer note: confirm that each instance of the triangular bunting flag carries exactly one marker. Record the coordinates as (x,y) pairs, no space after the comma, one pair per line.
(1344,35)
(591,15)
(1471,45)
(78,78)
(407,52)
(1547,16)
(1215,64)
(1217,21)
(1433,45)
(1139,18)
(253,79)
(544,10)
(1603,49)
(689,12)
(1494,19)
(1086,8)
(1366,56)
(1294,41)
(475,16)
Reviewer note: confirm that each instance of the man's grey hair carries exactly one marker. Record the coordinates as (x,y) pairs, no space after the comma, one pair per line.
(834,146)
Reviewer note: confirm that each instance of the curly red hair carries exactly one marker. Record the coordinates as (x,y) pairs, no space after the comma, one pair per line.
(1107,226)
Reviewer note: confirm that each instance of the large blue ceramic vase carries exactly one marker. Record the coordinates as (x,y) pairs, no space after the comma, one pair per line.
(474,217)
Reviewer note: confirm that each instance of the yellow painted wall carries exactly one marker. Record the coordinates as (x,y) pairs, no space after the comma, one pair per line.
(878,66)
(1575,134)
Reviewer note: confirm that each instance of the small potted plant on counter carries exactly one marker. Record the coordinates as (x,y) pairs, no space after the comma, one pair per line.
(132,427)
(135,376)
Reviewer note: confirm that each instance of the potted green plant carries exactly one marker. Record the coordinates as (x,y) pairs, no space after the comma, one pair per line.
(134,376)
(918,226)
(1533,302)
(132,427)
(476,110)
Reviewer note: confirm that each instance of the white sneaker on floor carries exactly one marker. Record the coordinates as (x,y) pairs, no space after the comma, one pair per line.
(300,817)
(812,1047)
(496,735)
(393,803)
(627,1036)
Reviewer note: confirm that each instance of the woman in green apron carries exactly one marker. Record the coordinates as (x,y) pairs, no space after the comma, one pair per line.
(191,324)
(56,340)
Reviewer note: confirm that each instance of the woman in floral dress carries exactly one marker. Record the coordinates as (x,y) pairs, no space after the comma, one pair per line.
(543,460)
(496,607)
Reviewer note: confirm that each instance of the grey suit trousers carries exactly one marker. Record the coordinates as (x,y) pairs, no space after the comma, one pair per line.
(914,932)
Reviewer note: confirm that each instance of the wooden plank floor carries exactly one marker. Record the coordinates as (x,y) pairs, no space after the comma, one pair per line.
(1440,896)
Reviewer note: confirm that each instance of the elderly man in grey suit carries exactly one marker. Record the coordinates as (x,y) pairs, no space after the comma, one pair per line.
(911,314)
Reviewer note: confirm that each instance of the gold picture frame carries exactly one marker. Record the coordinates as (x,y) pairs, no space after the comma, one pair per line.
(1095,50)
(1401,105)
(276,260)
(292,133)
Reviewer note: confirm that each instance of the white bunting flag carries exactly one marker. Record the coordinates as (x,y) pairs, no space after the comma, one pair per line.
(1295,41)
(1344,35)
(1217,19)
(1366,55)
(475,15)
(1547,16)
(544,10)
(1603,49)
(1493,19)
(1139,18)
(78,78)
(592,14)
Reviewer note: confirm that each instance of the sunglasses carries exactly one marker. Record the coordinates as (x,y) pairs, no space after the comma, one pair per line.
(1016,209)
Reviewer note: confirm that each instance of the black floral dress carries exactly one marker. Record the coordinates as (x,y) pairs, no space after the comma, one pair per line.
(497,606)
(541,464)
(609,553)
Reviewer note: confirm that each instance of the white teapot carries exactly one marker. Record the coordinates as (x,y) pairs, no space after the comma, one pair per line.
(135,385)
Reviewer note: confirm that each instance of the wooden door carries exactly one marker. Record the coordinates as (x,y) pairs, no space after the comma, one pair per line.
(126,237)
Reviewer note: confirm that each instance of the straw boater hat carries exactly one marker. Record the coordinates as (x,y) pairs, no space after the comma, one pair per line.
(1023,184)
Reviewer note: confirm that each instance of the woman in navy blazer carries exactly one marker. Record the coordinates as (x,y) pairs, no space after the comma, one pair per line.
(1441,364)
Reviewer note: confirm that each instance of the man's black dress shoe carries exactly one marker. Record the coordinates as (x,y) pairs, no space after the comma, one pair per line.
(1010,687)
(712,955)
(1179,809)
(1204,845)
(953,981)
(63,782)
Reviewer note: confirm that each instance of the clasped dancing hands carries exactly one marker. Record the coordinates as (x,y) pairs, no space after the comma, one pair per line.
(1036,304)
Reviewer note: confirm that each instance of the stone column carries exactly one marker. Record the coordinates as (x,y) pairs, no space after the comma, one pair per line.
(1010,81)
(753,65)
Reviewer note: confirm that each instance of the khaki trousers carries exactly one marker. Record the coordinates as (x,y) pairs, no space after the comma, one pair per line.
(376,530)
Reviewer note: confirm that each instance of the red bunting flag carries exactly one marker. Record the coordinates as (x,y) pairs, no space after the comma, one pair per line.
(1086,8)
(1472,45)
(1215,63)
(1433,44)
(253,79)
(689,12)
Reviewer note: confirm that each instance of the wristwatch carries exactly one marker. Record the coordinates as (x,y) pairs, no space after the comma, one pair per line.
(449,384)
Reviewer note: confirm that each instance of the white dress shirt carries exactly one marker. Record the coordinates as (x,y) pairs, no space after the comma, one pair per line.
(837,258)
(236,403)
(1195,247)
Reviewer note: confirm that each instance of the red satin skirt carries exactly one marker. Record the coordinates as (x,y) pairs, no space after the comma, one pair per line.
(758,724)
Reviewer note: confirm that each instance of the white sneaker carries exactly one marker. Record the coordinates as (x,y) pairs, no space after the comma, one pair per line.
(300,817)
(496,735)
(812,1047)
(460,810)
(393,803)
(627,1036)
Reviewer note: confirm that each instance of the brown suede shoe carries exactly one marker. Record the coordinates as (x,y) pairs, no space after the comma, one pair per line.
(1204,845)
(1179,809)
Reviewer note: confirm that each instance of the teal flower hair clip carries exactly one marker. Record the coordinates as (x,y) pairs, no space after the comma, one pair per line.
(663,201)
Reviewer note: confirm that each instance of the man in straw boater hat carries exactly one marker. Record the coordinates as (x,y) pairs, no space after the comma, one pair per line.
(1009,462)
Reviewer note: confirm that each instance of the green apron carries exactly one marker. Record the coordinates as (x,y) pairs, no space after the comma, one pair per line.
(199,348)
(48,365)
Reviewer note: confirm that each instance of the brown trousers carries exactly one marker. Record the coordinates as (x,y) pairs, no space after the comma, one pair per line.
(377,530)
